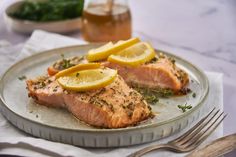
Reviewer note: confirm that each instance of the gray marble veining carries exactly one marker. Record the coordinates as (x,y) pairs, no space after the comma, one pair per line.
(206,27)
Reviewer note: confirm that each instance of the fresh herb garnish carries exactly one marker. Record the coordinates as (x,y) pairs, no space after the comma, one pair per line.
(172,60)
(42,84)
(50,10)
(151,98)
(153,95)
(66,62)
(154,60)
(184,107)
(22,77)
(62,56)
(184,91)
(194,95)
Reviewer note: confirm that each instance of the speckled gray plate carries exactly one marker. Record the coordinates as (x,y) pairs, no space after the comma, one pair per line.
(59,125)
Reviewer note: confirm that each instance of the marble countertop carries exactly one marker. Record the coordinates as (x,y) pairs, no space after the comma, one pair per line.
(201,31)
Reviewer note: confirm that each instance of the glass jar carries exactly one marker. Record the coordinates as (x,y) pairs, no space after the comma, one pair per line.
(106,20)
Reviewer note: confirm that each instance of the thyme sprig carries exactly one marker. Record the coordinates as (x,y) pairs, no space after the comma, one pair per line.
(21,78)
(66,62)
(184,107)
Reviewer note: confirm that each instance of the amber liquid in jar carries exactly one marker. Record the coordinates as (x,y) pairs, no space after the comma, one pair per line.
(102,26)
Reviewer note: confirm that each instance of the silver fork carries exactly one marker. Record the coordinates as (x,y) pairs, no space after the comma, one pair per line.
(192,138)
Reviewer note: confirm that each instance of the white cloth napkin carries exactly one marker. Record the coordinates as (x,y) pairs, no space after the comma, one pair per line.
(16,142)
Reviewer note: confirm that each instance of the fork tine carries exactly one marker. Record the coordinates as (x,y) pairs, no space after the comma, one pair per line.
(193,142)
(203,135)
(193,128)
(197,130)
(208,133)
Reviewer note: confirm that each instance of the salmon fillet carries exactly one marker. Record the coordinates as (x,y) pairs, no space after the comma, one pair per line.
(159,73)
(65,63)
(114,106)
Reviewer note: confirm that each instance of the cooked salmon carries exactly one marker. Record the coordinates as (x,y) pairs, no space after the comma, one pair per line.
(114,106)
(64,64)
(161,73)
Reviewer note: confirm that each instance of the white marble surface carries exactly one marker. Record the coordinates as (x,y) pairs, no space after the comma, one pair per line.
(202,31)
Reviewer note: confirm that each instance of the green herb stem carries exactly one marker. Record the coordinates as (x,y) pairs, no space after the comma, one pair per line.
(153,95)
(21,78)
(184,107)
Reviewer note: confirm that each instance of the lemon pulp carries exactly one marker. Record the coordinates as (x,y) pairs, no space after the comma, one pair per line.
(88,79)
(106,50)
(77,67)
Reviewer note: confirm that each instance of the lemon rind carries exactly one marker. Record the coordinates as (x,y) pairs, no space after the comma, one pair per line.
(102,55)
(100,84)
(115,58)
(77,67)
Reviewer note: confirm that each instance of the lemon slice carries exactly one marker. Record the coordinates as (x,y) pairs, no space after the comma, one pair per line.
(133,56)
(88,79)
(77,67)
(104,51)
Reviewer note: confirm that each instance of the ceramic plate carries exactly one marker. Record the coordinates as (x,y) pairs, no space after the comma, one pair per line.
(59,125)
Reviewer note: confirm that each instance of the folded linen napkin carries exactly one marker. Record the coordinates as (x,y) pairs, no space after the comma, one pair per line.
(16,142)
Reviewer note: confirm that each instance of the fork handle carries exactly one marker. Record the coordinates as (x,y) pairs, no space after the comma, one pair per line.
(218,147)
(148,149)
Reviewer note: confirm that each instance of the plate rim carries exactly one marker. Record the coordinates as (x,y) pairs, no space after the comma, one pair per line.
(95,130)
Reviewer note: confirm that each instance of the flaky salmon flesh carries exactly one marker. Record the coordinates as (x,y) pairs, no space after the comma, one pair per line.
(160,73)
(114,106)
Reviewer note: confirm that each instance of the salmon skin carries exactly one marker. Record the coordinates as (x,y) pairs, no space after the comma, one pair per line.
(160,73)
(114,106)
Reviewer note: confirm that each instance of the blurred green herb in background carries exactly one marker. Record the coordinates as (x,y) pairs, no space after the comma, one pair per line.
(50,10)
